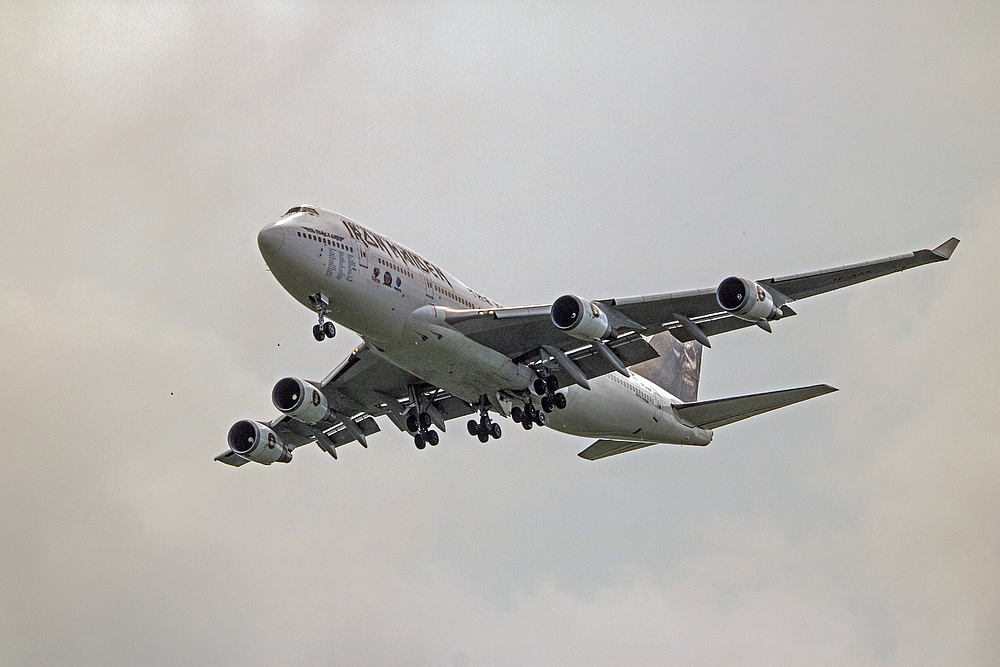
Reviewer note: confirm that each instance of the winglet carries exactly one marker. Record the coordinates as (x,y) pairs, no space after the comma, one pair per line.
(945,249)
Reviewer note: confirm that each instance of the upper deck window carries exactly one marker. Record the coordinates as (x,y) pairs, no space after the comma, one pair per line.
(301,209)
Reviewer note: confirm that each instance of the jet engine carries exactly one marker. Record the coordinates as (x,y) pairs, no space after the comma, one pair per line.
(746,300)
(300,400)
(256,442)
(581,319)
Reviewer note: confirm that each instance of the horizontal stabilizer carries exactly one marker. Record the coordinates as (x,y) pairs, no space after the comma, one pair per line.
(604,448)
(723,411)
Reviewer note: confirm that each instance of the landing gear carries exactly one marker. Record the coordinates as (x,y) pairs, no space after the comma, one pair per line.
(485,428)
(419,426)
(546,387)
(530,416)
(325,329)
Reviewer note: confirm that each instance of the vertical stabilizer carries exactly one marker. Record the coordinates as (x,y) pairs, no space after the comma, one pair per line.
(677,369)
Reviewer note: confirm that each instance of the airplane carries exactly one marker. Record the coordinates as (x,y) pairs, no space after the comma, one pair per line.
(622,371)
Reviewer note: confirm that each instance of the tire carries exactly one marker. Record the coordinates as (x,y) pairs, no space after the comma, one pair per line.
(484,437)
(411,424)
(539,386)
(329,329)
(552,382)
(516,413)
(495,431)
(547,405)
(432,438)
(425,420)
(530,411)
(560,400)
(541,419)
(318,332)
(473,428)
(418,440)
(527,424)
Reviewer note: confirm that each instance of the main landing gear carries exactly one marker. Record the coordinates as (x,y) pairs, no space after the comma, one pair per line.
(529,416)
(325,328)
(419,426)
(485,428)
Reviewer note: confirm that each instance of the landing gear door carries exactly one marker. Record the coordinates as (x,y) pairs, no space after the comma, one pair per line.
(362,255)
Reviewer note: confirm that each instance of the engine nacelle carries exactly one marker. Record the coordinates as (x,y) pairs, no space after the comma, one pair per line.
(581,319)
(746,300)
(300,400)
(256,442)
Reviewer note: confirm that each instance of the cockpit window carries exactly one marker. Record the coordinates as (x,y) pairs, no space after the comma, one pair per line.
(301,209)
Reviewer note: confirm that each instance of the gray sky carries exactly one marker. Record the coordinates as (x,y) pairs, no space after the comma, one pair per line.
(532,149)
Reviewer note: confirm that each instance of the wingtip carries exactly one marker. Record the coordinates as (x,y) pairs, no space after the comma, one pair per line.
(945,249)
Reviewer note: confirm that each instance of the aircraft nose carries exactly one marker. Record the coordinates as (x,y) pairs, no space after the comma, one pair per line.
(270,239)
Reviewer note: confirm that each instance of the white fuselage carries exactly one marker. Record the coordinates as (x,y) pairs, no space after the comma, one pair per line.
(373,286)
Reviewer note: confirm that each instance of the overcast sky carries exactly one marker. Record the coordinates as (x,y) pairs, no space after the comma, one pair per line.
(531,149)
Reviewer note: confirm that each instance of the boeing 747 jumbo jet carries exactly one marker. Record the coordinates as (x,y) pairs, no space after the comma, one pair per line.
(622,371)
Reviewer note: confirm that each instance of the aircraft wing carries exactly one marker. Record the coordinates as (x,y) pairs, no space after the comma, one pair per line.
(362,387)
(520,331)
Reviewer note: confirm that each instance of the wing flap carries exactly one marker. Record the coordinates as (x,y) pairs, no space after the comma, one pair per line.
(231,458)
(723,411)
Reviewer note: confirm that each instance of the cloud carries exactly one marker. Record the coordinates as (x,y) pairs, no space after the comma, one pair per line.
(532,151)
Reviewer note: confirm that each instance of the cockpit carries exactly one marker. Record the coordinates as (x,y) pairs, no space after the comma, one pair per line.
(301,209)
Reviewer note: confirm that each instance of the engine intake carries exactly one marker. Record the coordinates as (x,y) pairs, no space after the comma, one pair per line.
(581,319)
(746,300)
(300,400)
(256,442)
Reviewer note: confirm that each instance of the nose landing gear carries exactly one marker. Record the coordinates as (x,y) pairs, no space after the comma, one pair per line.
(325,328)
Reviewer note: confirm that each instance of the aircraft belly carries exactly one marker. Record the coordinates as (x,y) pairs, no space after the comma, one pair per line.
(609,411)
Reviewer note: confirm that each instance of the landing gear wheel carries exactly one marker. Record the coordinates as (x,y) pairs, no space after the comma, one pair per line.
(432,438)
(527,424)
(418,440)
(516,413)
(540,419)
(329,329)
(495,431)
(473,427)
(411,424)
(483,436)
(318,332)
(560,401)
(530,411)
(547,405)
(425,420)
(552,382)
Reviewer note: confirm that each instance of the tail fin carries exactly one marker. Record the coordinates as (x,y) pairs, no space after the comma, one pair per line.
(678,368)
